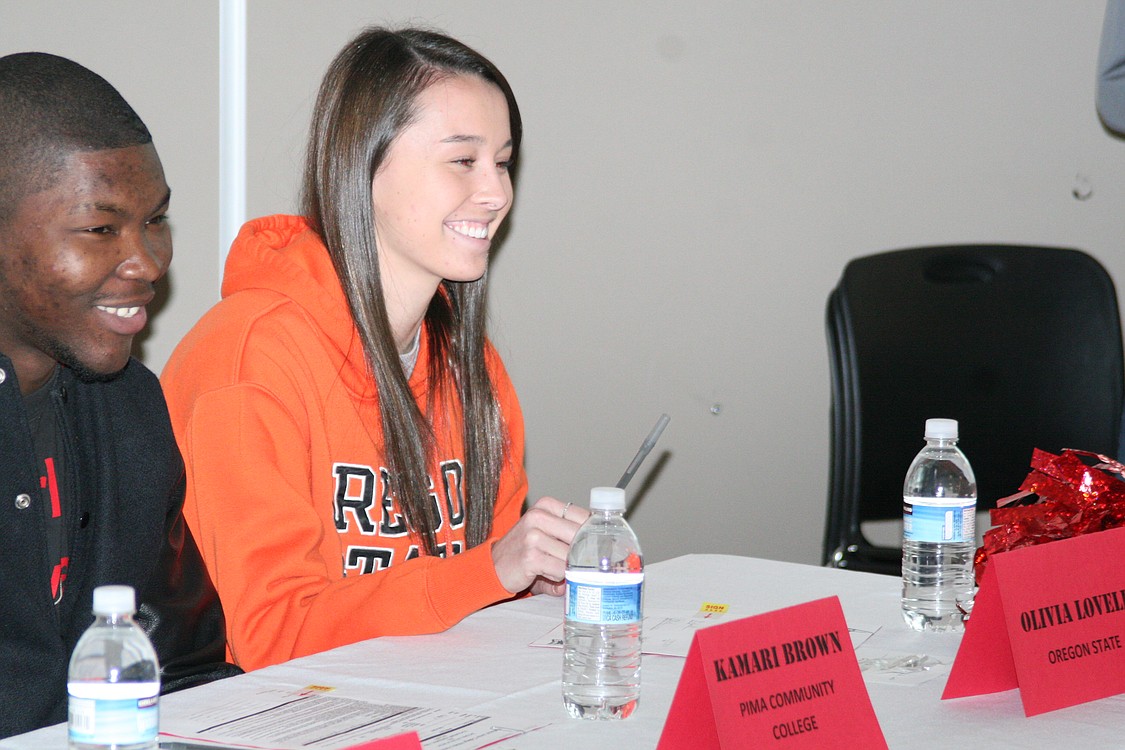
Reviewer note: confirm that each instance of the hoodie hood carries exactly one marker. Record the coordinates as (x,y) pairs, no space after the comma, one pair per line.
(281,254)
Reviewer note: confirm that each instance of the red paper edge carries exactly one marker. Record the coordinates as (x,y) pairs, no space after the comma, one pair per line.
(690,724)
(984,662)
(405,741)
(863,701)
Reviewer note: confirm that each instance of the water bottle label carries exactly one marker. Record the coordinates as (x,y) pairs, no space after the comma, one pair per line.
(600,598)
(939,520)
(123,713)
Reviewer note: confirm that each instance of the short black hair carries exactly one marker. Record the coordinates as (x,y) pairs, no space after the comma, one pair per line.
(50,107)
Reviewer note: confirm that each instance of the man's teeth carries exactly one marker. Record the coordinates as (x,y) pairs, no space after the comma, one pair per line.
(121,312)
(470,229)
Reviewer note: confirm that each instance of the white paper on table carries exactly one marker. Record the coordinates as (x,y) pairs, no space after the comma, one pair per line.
(891,668)
(669,632)
(893,657)
(280,719)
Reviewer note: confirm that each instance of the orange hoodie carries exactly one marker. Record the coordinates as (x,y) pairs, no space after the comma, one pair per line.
(287,490)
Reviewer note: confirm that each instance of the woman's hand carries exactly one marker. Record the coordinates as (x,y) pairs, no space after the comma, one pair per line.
(532,555)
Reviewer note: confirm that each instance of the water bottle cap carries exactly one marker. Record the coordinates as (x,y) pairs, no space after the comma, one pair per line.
(607,498)
(114,600)
(945,429)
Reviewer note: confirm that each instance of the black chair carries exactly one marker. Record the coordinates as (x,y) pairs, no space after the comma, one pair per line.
(1022,345)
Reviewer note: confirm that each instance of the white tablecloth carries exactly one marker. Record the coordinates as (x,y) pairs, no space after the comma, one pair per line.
(484,665)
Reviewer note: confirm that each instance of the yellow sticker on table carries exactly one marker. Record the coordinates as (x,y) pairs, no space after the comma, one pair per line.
(712,608)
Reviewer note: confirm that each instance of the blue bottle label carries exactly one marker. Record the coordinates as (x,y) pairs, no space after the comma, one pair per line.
(598,598)
(113,713)
(941,520)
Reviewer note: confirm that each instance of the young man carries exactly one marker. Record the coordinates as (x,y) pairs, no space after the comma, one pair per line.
(91,482)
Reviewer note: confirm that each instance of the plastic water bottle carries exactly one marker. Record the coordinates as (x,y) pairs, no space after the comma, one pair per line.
(938,532)
(114,679)
(602,625)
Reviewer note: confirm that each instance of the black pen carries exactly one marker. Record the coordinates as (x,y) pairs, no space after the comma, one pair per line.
(646,446)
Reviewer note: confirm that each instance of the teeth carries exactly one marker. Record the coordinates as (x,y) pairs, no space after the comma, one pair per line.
(470,229)
(121,312)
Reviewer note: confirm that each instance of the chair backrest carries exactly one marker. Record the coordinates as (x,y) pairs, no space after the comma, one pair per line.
(1022,345)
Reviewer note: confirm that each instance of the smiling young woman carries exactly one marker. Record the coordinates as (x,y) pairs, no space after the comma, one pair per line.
(354,444)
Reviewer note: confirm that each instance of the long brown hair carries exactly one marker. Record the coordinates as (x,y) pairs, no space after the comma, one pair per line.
(367,98)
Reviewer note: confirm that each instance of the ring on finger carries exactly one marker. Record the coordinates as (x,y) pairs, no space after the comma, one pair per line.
(565,509)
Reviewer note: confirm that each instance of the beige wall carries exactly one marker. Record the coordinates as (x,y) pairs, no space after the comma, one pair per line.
(692,183)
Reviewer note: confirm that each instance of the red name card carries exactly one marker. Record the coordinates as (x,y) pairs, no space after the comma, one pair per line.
(786,679)
(1050,620)
(407,741)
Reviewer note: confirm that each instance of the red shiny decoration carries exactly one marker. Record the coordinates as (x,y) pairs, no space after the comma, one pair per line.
(1073,497)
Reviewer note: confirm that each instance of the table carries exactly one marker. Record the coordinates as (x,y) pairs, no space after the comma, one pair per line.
(485,665)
